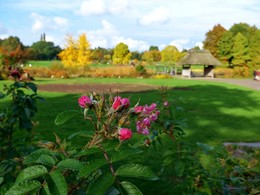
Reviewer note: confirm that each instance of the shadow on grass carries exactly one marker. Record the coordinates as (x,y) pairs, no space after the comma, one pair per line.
(214,113)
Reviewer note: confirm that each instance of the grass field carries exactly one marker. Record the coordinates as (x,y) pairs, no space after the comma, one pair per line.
(215,113)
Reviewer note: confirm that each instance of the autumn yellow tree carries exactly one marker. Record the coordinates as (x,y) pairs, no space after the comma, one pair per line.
(170,54)
(76,53)
(122,54)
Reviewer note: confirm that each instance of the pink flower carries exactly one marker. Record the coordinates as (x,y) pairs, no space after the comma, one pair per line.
(149,109)
(166,103)
(125,102)
(138,109)
(116,104)
(120,103)
(147,122)
(125,134)
(84,101)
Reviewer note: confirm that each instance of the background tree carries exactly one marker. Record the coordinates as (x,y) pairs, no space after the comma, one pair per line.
(12,51)
(83,49)
(152,47)
(242,28)
(240,50)
(122,54)
(254,49)
(152,56)
(224,46)
(76,53)
(212,38)
(43,50)
(170,54)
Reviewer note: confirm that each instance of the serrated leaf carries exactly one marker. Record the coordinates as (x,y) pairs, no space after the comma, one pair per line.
(31,173)
(24,188)
(81,133)
(57,185)
(130,188)
(87,152)
(90,167)
(102,184)
(124,153)
(65,116)
(136,170)
(46,159)
(32,158)
(72,164)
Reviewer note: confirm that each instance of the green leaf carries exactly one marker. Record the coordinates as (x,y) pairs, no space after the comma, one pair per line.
(24,188)
(136,170)
(65,116)
(32,86)
(87,152)
(102,184)
(81,133)
(179,168)
(124,153)
(45,190)
(72,164)
(33,157)
(57,184)
(31,173)
(1,180)
(130,188)
(90,167)
(46,159)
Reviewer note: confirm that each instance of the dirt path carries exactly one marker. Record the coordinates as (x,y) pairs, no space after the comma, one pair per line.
(250,83)
(101,88)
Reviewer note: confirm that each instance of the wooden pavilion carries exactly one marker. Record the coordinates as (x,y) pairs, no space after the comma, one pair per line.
(198,57)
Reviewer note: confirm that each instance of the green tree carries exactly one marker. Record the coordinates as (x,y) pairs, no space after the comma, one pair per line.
(11,43)
(224,46)
(240,51)
(152,47)
(212,38)
(43,50)
(242,28)
(170,54)
(122,54)
(254,49)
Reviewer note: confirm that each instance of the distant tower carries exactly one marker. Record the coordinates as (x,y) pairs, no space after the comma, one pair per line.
(43,37)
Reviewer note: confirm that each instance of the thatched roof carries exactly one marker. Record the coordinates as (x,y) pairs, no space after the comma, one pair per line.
(199,57)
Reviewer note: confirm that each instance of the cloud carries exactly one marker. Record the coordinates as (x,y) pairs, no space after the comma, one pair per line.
(41,23)
(92,7)
(118,6)
(132,43)
(180,43)
(157,16)
(108,37)
(199,44)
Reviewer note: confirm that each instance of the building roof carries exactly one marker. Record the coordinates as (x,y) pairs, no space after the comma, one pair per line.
(199,57)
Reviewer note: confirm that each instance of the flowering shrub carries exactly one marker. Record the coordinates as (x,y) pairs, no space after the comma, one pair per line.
(98,165)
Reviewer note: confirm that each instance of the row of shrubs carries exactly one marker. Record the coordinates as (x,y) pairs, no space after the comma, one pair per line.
(57,70)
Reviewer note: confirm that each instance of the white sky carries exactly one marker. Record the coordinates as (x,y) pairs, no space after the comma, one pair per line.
(138,23)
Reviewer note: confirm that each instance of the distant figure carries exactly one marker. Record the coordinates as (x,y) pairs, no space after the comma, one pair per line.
(254,74)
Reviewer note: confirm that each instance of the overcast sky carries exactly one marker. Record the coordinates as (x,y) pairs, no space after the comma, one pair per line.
(138,23)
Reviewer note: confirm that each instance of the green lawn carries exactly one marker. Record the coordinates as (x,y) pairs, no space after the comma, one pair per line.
(215,113)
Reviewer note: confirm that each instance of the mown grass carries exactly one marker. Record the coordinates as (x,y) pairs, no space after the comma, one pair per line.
(215,113)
